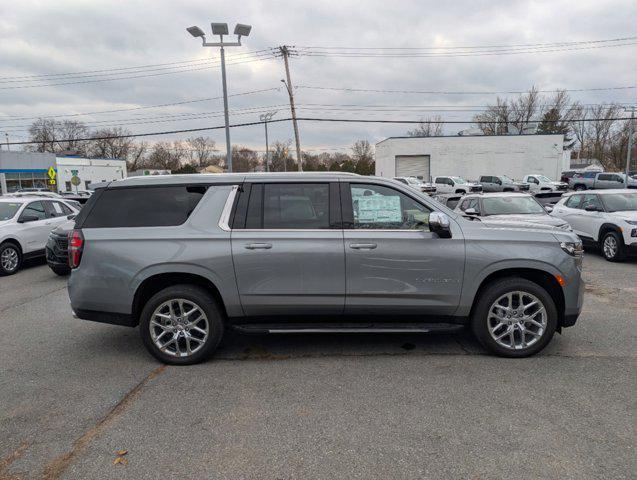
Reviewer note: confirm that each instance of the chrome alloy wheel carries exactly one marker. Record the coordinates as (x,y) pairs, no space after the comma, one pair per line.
(610,246)
(9,259)
(179,327)
(517,320)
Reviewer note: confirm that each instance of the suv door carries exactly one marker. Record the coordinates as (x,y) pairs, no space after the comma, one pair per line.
(287,248)
(587,223)
(35,233)
(394,264)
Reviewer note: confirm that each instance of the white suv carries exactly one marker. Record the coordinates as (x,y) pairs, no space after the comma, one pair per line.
(603,218)
(455,185)
(25,224)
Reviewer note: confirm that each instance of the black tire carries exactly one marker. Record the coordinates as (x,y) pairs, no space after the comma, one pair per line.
(619,254)
(479,320)
(4,249)
(205,302)
(579,188)
(61,271)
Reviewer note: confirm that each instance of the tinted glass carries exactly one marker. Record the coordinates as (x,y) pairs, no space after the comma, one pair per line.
(297,206)
(58,209)
(573,201)
(511,205)
(144,206)
(441,180)
(452,202)
(591,200)
(383,208)
(35,209)
(604,176)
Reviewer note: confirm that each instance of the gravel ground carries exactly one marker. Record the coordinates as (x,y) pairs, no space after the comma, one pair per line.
(73,393)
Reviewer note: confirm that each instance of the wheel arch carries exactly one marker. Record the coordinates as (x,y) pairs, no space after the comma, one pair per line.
(540,277)
(609,227)
(155,283)
(13,241)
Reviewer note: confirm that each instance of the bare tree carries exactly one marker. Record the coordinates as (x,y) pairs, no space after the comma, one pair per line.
(600,129)
(428,127)
(244,159)
(558,118)
(280,156)
(496,119)
(166,156)
(111,143)
(57,136)
(137,156)
(201,150)
(526,109)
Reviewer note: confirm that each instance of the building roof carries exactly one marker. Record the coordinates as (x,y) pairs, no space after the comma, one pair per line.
(473,136)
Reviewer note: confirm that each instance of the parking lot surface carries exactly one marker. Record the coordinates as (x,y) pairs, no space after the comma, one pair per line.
(73,393)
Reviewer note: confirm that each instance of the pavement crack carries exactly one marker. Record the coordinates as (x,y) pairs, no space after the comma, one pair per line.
(31,299)
(55,468)
(6,462)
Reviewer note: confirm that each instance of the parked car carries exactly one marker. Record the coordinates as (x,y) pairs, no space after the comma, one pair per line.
(568,174)
(33,190)
(187,256)
(455,185)
(600,180)
(603,218)
(57,255)
(449,200)
(541,183)
(509,207)
(418,184)
(25,223)
(501,183)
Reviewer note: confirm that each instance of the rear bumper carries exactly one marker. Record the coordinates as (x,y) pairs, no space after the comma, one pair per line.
(111,318)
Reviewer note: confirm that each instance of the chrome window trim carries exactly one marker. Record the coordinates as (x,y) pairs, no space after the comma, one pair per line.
(224,219)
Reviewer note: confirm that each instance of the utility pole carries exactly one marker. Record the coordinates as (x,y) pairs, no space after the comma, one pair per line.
(630,139)
(6,135)
(265,118)
(285,53)
(221,29)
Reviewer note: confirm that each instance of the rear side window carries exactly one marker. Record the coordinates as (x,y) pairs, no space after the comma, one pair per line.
(159,206)
(296,206)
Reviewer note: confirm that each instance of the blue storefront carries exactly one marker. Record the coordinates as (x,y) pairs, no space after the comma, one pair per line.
(25,170)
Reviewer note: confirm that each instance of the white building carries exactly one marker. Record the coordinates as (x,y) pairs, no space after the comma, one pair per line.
(470,156)
(20,170)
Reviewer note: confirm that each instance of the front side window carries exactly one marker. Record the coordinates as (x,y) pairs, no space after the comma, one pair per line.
(471,203)
(511,206)
(34,209)
(376,207)
(296,206)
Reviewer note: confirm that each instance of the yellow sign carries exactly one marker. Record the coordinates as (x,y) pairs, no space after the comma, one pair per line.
(51,182)
(51,173)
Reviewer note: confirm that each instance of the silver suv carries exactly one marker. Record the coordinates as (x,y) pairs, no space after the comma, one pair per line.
(186,257)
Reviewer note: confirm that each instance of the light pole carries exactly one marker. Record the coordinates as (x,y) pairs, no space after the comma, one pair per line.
(221,29)
(630,140)
(265,118)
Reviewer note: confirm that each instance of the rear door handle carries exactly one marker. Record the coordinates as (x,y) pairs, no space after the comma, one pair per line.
(258,246)
(362,246)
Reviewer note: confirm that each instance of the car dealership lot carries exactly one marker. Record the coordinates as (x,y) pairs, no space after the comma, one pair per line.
(73,393)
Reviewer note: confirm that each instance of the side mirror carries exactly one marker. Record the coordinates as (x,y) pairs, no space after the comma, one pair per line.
(440,224)
(71,217)
(470,211)
(591,208)
(548,208)
(28,218)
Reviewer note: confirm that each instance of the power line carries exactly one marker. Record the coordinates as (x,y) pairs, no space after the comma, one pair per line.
(306,119)
(449,92)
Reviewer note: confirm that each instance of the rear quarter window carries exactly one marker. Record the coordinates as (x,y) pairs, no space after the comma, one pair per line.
(159,206)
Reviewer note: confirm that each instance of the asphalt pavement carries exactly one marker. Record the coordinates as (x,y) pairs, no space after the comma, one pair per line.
(73,394)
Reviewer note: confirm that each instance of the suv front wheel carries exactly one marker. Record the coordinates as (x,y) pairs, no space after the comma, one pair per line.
(10,258)
(514,317)
(181,325)
(612,246)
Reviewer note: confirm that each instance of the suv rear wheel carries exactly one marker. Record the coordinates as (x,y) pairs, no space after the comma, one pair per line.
(10,258)
(181,325)
(612,246)
(514,317)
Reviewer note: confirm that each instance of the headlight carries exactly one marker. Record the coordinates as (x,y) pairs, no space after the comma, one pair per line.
(574,249)
(631,222)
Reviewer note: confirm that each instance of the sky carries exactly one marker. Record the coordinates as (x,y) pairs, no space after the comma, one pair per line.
(43,41)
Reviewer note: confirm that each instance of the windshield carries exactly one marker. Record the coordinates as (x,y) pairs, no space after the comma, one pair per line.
(542,178)
(506,179)
(620,202)
(8,210)
(459,180)
(511,206)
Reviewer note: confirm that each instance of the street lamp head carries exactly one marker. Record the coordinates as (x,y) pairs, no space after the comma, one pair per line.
(242,30)
(196,32)
(219,28)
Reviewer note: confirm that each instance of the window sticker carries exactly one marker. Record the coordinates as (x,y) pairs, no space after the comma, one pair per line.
(378,208)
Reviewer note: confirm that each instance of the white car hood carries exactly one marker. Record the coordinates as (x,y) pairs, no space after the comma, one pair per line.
(627,215)
(532,219)
(4,222)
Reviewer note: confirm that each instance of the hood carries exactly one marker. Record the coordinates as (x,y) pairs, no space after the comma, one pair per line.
(528,226)
(626,215)
(560,184)
(530,221)
(4,222)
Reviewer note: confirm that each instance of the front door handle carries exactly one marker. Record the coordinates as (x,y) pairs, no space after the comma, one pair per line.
(362,246)
(258,246)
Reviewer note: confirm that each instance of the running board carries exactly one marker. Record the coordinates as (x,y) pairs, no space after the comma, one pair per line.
(260,328)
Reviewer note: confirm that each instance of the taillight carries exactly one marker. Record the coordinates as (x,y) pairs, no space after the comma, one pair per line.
(76,245)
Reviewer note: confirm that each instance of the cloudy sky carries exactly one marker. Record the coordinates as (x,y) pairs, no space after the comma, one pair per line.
(137,54)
